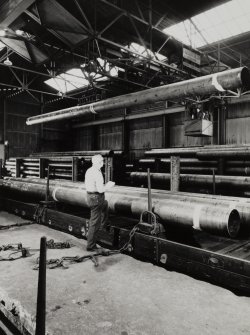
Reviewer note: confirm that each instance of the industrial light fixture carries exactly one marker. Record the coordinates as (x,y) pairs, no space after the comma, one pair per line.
(2,33)
(19,32)
(7,61)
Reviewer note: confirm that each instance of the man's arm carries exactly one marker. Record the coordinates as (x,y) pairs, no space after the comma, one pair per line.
(101,188)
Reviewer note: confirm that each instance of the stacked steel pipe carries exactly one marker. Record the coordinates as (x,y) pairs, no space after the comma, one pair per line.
(60,167)
(230,164)
(10,166)
(29,167)
(63,165)
(212,214)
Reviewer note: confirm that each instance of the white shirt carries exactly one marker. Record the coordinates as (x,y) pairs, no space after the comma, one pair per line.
(94,181)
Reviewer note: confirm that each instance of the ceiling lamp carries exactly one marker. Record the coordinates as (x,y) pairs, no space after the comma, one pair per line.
(2,33)
(19,32)
(7,60)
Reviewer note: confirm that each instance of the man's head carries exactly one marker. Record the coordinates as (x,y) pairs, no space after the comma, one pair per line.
(97,160)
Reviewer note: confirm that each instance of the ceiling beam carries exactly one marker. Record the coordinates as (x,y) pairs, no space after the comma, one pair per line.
(11,10)
(153,61)
(37,91)
(84,16)
(53,32)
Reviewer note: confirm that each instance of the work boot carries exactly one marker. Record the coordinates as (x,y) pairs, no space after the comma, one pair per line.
(94,248)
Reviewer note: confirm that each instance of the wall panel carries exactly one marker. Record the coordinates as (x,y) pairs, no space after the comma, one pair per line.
(145,134)
(83,138)
(22,139)
(1,120)
(238,123)
(110,136)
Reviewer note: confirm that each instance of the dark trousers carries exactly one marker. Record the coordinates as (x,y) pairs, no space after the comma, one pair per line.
(98,216)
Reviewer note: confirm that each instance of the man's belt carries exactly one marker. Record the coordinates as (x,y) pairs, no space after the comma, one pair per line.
(94,192)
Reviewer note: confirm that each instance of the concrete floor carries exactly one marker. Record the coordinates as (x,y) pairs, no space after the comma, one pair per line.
(122,296)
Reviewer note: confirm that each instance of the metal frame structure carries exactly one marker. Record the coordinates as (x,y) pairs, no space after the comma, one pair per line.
(96,42)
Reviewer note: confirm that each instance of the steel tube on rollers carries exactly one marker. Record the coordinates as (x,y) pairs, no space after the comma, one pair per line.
(241,204)
(207,216)
(210,84)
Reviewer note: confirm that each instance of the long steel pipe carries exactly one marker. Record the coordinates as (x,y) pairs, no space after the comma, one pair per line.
(241,204)
(210,84)
(74,153)
(222,218)
(167,152)
(236,182)
(183,162)
(202,152)
(226,153)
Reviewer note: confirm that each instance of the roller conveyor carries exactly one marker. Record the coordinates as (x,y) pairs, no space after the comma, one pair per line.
(218,259)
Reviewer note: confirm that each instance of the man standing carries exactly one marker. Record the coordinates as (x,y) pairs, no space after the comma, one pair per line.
(95,188)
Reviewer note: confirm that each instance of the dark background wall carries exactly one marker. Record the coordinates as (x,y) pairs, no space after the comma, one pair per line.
(1,119)
(24,140)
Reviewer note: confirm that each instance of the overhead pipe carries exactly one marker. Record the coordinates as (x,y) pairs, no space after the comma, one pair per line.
(208,216)
(206,85)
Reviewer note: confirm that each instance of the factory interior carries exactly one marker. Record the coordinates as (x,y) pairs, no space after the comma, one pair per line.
(161,90)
